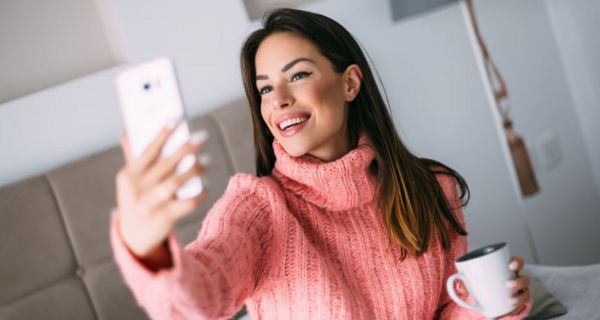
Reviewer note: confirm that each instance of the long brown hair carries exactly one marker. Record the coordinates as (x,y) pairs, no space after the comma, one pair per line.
(410,198)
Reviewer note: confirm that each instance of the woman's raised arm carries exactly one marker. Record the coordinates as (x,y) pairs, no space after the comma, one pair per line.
(213,275)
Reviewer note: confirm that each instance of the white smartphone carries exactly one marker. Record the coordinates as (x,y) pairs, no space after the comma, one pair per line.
(149,96)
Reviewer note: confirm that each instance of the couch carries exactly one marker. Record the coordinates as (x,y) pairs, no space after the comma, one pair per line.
(55,256)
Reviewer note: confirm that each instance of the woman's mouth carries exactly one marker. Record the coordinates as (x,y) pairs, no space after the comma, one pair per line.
(291,126)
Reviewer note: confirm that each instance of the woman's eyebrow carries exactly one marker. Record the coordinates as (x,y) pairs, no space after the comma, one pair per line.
(285,68)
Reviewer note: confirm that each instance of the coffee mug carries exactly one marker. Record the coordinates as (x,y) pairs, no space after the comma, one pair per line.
(485,272)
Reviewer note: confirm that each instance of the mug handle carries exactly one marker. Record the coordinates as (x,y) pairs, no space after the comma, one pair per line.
(456,298)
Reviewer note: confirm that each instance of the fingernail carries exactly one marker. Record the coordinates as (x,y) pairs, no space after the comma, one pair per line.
(513,266)
(173,123)
(204,159)
(199,137)
(511,283)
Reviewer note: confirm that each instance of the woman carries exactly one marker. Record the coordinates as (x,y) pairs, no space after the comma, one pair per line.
(342,222)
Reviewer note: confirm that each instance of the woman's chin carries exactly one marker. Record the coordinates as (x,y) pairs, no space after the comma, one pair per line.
(294,150)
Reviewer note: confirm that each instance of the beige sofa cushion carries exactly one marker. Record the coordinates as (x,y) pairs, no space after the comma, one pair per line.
(55,256)
(34,249)
(234,121)
(110,296)
(64,300)
(85,193)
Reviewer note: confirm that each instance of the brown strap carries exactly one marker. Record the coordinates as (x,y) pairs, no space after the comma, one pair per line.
(501,93)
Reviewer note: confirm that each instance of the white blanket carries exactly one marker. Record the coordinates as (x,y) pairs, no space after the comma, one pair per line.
(577,287)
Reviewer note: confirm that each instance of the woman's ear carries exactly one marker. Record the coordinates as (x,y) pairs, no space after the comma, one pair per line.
(352,81)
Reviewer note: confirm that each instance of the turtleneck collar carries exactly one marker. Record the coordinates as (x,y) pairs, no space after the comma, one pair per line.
(338,185)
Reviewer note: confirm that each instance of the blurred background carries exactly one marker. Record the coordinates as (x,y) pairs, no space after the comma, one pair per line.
(58,102)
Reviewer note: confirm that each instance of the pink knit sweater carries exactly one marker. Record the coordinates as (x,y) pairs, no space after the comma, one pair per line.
(303,243)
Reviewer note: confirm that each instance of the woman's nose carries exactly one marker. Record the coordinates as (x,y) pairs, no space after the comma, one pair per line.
(282,98)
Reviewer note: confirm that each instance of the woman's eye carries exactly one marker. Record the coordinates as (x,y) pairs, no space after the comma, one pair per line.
(300,75)
(264,90)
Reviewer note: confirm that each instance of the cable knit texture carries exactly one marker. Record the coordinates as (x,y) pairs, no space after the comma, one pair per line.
(303,243)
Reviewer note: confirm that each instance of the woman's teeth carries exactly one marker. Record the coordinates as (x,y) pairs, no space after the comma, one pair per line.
(290,122)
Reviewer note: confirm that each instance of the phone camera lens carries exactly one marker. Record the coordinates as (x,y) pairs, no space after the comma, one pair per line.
(146,86)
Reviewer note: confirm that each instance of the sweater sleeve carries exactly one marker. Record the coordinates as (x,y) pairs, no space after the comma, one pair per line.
(451,310)
(212,276)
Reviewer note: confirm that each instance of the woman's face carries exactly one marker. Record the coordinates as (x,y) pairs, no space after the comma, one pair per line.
(303,100)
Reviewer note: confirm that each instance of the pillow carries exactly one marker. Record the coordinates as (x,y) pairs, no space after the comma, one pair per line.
(545,305)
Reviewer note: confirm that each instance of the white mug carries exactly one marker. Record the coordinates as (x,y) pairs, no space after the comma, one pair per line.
(485,273)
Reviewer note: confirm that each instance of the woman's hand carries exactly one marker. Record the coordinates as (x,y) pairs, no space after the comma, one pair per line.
(519,286)
(147,209)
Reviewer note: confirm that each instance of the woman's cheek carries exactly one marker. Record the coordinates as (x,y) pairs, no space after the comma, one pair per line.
(265,115)
(310,94)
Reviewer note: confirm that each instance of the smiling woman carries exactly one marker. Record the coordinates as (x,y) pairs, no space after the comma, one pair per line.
(307,65)
(342,221)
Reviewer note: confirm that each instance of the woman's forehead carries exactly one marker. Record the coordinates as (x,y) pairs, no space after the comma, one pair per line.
(278,49)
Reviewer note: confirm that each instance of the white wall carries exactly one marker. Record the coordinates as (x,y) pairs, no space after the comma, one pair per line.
(565,215)
(37,52)
(426,64)
(575,25)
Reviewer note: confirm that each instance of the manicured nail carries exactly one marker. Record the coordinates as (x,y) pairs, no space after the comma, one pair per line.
(204,159)
(511,283)
(513,266)
(173,123)
(199,137)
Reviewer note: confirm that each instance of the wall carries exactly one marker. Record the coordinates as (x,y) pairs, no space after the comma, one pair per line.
(565,215)
(66,40)
(575,26)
